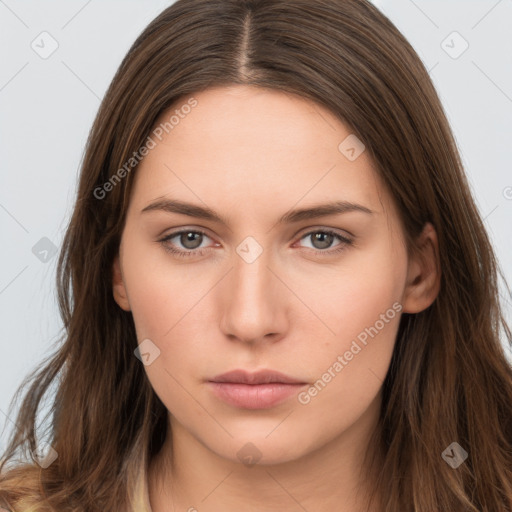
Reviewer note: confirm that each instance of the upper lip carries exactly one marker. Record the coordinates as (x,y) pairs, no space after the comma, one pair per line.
(259,377)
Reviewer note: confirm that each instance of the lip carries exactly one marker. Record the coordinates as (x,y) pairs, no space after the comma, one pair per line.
(259,377)
(259,390)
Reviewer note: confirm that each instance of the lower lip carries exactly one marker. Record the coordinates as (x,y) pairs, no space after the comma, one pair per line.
(254,396)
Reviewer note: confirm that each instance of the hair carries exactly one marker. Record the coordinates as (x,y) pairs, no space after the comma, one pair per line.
(449,378)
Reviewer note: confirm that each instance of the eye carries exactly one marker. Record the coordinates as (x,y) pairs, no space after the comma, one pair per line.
(190,239)
(322,239)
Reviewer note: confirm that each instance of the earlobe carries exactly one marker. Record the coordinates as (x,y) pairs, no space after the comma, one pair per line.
(424,273)
(118,286)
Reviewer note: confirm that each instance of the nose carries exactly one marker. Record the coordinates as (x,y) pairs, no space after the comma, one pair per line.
(255,301)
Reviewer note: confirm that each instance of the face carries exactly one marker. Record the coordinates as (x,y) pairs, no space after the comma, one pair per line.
(317,298)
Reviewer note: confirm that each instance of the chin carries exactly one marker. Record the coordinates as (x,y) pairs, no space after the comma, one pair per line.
(259,450)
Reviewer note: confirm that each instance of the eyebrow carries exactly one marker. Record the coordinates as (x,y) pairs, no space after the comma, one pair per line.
(200,212)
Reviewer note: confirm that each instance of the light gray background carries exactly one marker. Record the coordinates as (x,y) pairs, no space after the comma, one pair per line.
(47,107)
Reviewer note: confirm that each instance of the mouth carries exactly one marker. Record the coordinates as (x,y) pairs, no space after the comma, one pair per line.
(259,390)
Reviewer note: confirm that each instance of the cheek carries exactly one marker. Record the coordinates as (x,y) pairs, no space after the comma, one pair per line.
(160,292)
(359,305)
(167,303)
(152,305)
(352,296)
(164,303)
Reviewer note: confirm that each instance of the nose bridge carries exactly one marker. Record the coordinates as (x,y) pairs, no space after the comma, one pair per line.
(252,306)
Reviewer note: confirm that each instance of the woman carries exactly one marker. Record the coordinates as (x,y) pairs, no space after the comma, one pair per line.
(277,291)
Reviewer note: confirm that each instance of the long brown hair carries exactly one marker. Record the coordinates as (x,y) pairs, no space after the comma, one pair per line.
(449,380)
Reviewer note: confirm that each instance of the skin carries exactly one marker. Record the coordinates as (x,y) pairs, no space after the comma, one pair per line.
(252,155)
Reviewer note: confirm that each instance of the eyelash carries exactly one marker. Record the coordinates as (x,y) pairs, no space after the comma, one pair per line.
(200,252)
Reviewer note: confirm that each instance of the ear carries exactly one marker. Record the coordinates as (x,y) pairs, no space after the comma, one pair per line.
(119,289)
(423,273)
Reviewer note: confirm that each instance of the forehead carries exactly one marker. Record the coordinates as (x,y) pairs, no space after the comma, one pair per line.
(253,147)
